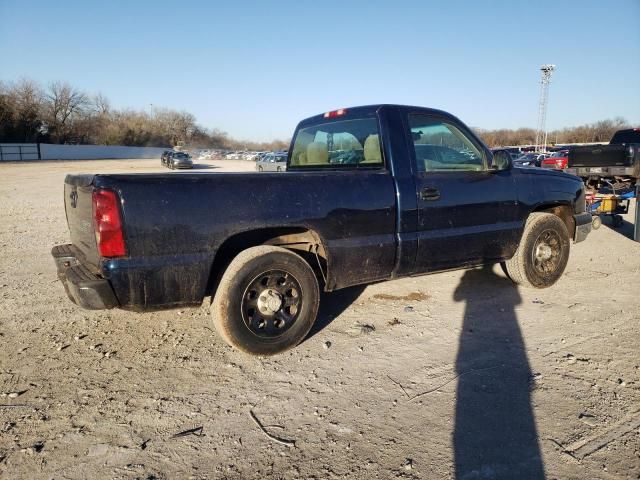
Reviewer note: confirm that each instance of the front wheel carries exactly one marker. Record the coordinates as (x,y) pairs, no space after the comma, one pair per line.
(543,252)
(267,301)
(618,221)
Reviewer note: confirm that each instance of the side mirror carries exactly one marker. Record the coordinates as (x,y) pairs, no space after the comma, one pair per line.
(501,161)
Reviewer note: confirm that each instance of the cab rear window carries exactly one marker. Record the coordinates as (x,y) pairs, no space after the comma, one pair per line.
(338,144)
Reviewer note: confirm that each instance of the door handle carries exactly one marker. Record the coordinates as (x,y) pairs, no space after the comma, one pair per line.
(429,193)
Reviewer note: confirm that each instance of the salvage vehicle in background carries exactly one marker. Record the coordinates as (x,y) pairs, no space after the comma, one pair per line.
(557,160)
(179,160)
(165,156)
(529,160)
(618,162)
(272,162)
(425,195)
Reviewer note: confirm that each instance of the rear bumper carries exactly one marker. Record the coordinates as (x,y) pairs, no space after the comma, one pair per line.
(84,288)
(601,171)
(583,226)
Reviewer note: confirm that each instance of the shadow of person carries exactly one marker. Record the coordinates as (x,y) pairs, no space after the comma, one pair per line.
(495,434)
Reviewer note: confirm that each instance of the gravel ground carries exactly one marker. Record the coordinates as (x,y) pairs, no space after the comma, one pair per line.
(454,375)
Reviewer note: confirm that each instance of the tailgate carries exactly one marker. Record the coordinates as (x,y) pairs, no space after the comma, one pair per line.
(604,156)
(79,209)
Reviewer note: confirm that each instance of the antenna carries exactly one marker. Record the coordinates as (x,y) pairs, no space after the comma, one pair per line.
(541,132)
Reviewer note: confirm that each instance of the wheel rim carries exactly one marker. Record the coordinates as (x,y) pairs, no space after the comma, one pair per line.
(547,252)
(271,303)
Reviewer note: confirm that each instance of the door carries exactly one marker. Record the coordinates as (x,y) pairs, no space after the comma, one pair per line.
(467,211)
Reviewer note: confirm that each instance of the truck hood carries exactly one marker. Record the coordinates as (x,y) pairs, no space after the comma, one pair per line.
(544,172)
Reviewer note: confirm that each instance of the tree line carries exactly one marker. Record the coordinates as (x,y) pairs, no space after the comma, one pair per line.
(601,131)
(61,113)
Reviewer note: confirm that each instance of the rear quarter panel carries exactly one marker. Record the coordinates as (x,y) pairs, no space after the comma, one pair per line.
(175,224)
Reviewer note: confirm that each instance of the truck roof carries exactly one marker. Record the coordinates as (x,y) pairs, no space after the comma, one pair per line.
(370,110)
(629,135)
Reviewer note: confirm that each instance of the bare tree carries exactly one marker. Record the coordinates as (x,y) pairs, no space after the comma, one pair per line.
(64,104)
(24,99)
(100,104)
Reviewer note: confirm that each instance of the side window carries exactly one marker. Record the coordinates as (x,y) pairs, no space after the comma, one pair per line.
(441,147)
(338,144)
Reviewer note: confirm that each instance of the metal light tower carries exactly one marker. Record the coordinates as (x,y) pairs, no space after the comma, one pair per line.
(541,133)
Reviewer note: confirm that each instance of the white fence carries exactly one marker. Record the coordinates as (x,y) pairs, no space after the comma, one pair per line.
(15,152)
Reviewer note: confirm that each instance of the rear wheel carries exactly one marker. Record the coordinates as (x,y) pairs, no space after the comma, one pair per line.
(542,254)
(267,301)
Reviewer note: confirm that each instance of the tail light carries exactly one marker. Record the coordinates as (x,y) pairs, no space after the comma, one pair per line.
(107,223)
(335,113)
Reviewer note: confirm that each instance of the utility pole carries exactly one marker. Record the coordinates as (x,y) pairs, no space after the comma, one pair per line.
(541,132)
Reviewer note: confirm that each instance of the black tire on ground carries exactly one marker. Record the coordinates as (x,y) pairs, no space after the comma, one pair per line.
(618,221)
(542,254)
(596,222)
(279,169)
(260,168)
(267,301)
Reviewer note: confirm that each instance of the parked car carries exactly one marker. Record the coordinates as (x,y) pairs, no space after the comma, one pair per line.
(529,160)
(272,162)
(234,156)
(416,203)
(558,160)
(180,160)
(165,155)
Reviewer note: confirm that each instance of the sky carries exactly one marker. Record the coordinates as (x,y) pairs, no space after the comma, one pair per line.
(256,68)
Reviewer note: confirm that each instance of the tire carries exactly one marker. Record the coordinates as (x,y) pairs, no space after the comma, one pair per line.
(618,221)
(266,317)
(279,169)
(596,222)
(260,168)
(543,252)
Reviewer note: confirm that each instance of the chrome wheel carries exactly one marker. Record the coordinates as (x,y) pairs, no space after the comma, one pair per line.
(271,303)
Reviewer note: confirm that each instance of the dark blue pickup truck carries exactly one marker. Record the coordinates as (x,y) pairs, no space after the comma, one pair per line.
(370,193)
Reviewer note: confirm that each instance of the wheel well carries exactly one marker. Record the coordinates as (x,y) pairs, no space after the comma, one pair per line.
(303,241)
(564,212)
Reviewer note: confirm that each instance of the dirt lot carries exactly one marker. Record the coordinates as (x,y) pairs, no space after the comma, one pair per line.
(455,375)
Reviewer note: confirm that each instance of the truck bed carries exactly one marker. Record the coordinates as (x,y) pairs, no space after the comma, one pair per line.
(174,225)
